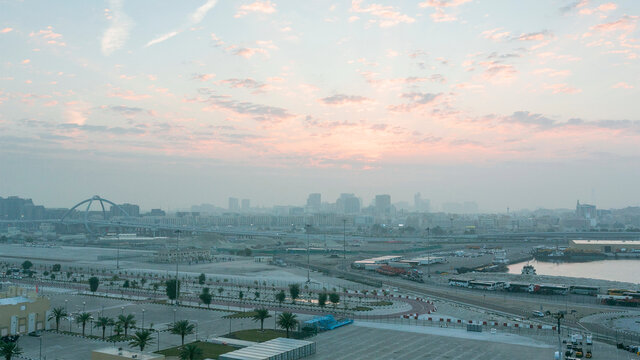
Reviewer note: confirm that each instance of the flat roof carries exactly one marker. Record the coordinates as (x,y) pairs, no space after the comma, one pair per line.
(607,242)
(15,300)
(267,349)
(129,354)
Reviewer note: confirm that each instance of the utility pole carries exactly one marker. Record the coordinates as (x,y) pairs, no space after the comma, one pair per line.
(558,317)
(177,261)
(429,253)
(118,251)
(344,242)
(308,227)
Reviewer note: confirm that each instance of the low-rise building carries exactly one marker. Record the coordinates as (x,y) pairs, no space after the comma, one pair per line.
(607,246)
(22,311)
(113,353)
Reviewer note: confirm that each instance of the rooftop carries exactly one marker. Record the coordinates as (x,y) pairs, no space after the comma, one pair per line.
(15,300)
(129,354)
(607,242)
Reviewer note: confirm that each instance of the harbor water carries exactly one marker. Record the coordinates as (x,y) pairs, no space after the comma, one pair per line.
(613,270)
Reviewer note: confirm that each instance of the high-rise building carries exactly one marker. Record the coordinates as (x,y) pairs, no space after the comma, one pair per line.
(383,204)
(246,204)
(233,204)
(131,210)
(314,201)
(348,204)
(420,204)
(587,212)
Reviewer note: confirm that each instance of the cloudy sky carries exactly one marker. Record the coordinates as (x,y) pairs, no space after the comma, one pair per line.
(523,104)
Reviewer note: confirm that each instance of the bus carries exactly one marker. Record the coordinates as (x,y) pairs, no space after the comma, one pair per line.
(619,292)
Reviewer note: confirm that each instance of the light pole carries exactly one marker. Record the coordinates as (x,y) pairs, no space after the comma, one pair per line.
(121,310)
(559,316)
(66,309)
(143,318)
(84,305)
(307,227)
(118,250)
(177,260)
(429,253)
(344,243)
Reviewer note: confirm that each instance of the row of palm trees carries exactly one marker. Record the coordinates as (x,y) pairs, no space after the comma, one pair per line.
(122,324)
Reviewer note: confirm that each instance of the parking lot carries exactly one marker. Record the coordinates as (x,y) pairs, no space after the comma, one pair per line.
(359,342)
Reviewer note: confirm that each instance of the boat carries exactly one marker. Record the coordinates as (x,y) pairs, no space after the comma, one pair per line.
(528,270)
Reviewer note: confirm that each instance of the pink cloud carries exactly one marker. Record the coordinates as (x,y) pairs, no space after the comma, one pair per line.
(552,72)
(265,7)
(247,53)
(622,85)
(6,30)
(625,25)
(442,3)
(127,95)
(48,36)
(439,15)
(203,77)
(562,89)
(498,72)
(387,16)
(495,34)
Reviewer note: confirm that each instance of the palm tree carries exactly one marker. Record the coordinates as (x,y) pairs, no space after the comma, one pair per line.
(82,318)
(182,328)
(103,322)
(9,349)
(287,321)
(57,313)
(117,328)
(190,352)
(141,339)
(261,315)
(127,322)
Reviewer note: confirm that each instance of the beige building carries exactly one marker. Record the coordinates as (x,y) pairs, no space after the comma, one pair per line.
(607,246)
(112,353)
(22,311)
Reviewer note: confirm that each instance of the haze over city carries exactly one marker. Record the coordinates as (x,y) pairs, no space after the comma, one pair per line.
(509,104)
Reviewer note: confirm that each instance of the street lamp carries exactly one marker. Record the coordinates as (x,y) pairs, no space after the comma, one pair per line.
(84,305)
(143,318)
(118,250)
(344,243)
(307,227)
(429,253)
(122,310)
(177,260)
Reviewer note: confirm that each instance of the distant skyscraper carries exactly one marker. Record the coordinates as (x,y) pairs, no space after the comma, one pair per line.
(131,209)
(246,204)
(383,204)
(348,204)
(421,204)
(233,204)
(314,201)
(587,212)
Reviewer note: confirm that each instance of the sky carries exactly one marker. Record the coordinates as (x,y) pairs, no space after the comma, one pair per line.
(519,104)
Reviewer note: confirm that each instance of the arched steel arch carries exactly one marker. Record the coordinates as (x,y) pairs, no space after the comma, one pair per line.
(86,212)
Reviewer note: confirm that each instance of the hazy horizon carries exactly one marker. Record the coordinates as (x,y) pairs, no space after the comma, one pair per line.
(510,104)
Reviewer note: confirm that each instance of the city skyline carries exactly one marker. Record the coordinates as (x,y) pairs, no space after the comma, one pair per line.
(271,100)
